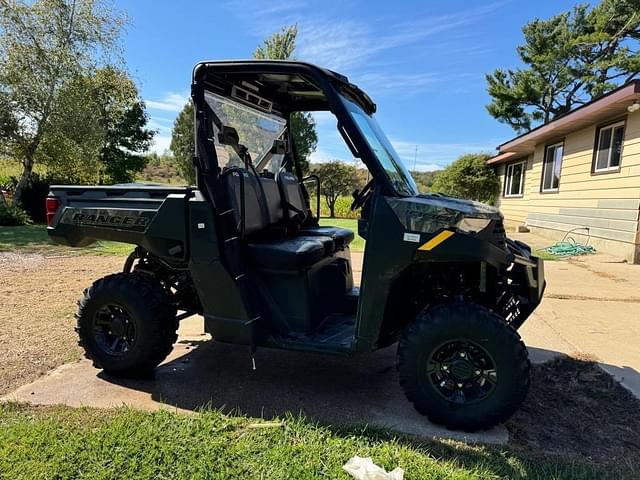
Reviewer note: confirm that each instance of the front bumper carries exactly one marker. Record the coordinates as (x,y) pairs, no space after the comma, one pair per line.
(534,274)
(527,282)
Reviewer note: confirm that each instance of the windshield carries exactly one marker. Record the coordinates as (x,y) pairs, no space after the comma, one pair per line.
(397,173)
(256,130)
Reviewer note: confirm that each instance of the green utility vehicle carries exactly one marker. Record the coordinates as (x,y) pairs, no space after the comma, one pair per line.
(243,248)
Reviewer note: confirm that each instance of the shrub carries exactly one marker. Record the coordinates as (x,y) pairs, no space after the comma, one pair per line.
(33,196)
(12,216)
(469,177)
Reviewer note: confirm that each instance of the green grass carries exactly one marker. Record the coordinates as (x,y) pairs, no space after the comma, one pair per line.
(352,224)
(66,443)
(34,239)
(546,256)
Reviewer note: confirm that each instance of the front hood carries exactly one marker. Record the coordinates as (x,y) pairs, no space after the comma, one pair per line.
(428,213)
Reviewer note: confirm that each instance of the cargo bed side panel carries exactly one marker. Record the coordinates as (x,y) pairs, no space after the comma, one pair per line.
(152,217)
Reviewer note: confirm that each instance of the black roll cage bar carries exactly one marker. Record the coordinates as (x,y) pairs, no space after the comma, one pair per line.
(327,81)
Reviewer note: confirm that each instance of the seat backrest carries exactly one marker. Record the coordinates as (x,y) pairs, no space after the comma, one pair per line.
(262,201)
(272,200)
(293,198)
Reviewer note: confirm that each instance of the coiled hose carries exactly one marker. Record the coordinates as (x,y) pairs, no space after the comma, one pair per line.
(569,247)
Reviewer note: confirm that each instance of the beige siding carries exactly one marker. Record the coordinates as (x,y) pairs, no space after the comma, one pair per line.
(607,204)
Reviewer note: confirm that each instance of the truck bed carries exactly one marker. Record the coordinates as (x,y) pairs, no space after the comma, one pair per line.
(152,216)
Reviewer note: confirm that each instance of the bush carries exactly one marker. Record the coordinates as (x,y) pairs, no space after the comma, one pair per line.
(33,196)
(12,216)
(469,177)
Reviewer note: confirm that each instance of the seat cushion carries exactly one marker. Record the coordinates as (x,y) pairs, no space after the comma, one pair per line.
(341,237)
(294,253)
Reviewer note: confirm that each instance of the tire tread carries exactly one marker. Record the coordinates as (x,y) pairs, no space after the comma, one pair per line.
(425,323)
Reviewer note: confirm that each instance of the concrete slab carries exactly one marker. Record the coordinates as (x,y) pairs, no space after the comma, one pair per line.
(201,373)
(609,331)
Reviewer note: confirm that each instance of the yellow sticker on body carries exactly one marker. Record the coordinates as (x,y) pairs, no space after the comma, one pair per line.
(437,240)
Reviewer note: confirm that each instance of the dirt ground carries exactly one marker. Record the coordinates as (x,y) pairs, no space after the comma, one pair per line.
(575,408)
(38,297)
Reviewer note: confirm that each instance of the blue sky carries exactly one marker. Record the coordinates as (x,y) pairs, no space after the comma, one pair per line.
(422,62)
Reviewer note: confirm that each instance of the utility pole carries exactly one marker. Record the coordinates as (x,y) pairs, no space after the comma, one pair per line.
(415,158)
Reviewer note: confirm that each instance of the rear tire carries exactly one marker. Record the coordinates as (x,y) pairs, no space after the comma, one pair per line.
(126,324)
(463,367)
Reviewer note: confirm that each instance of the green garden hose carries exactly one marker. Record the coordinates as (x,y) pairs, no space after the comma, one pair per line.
(568,247)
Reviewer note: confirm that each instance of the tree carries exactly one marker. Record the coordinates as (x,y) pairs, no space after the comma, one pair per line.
(98,134)
(570,59)
(336,179)
(280,46)
(44,44)
(469,177)
(424,180)
(183,143)
(122,119)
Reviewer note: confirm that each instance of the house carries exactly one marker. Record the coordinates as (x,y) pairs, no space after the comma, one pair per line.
(578,173)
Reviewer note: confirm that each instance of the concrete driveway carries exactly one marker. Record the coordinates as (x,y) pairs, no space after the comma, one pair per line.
(202,373)
(590,308)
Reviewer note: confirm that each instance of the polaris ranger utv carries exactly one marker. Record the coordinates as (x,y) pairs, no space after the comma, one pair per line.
(243,248)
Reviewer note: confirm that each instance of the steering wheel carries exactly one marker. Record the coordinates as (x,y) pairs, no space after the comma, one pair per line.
(360,196)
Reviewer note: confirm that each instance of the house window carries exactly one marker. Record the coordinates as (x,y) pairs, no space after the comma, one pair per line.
(514,179)
(608,151)
(551,167)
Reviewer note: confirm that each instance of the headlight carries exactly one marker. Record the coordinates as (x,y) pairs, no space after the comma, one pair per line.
(472,225)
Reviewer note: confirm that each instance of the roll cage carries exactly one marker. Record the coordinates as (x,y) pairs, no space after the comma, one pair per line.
(278,88)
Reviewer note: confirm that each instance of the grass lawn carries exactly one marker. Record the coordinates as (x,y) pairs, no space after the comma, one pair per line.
(66,443)
(34,239)
(546,256)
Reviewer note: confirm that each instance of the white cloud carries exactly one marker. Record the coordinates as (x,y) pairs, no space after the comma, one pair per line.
(324,118)
(334,38)
(320,156)
(351,44)
(435,156)
(427,156)
(170,102)
(161,143)
(162,125)
(380,82)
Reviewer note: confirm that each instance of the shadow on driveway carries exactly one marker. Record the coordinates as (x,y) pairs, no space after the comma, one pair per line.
(327,389)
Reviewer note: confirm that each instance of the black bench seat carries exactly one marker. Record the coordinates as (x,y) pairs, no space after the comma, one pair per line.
(341,237)
(293,253)
(274,207)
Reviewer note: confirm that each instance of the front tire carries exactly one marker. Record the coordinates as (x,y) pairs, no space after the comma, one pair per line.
(462,366)
(126,324)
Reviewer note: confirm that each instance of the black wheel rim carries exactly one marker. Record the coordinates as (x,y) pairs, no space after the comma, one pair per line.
(462,372)
(114,330)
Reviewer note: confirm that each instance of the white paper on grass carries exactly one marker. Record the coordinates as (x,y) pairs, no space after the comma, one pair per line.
(364,469)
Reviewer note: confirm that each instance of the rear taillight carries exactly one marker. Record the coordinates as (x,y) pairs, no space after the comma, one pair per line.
(52,206)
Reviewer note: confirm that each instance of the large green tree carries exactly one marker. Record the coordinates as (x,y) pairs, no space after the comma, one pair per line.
(569,59)
(183,143)
(43,45)
(98,134)
(281,46)
(336,179)
(123,123)
(469,177)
